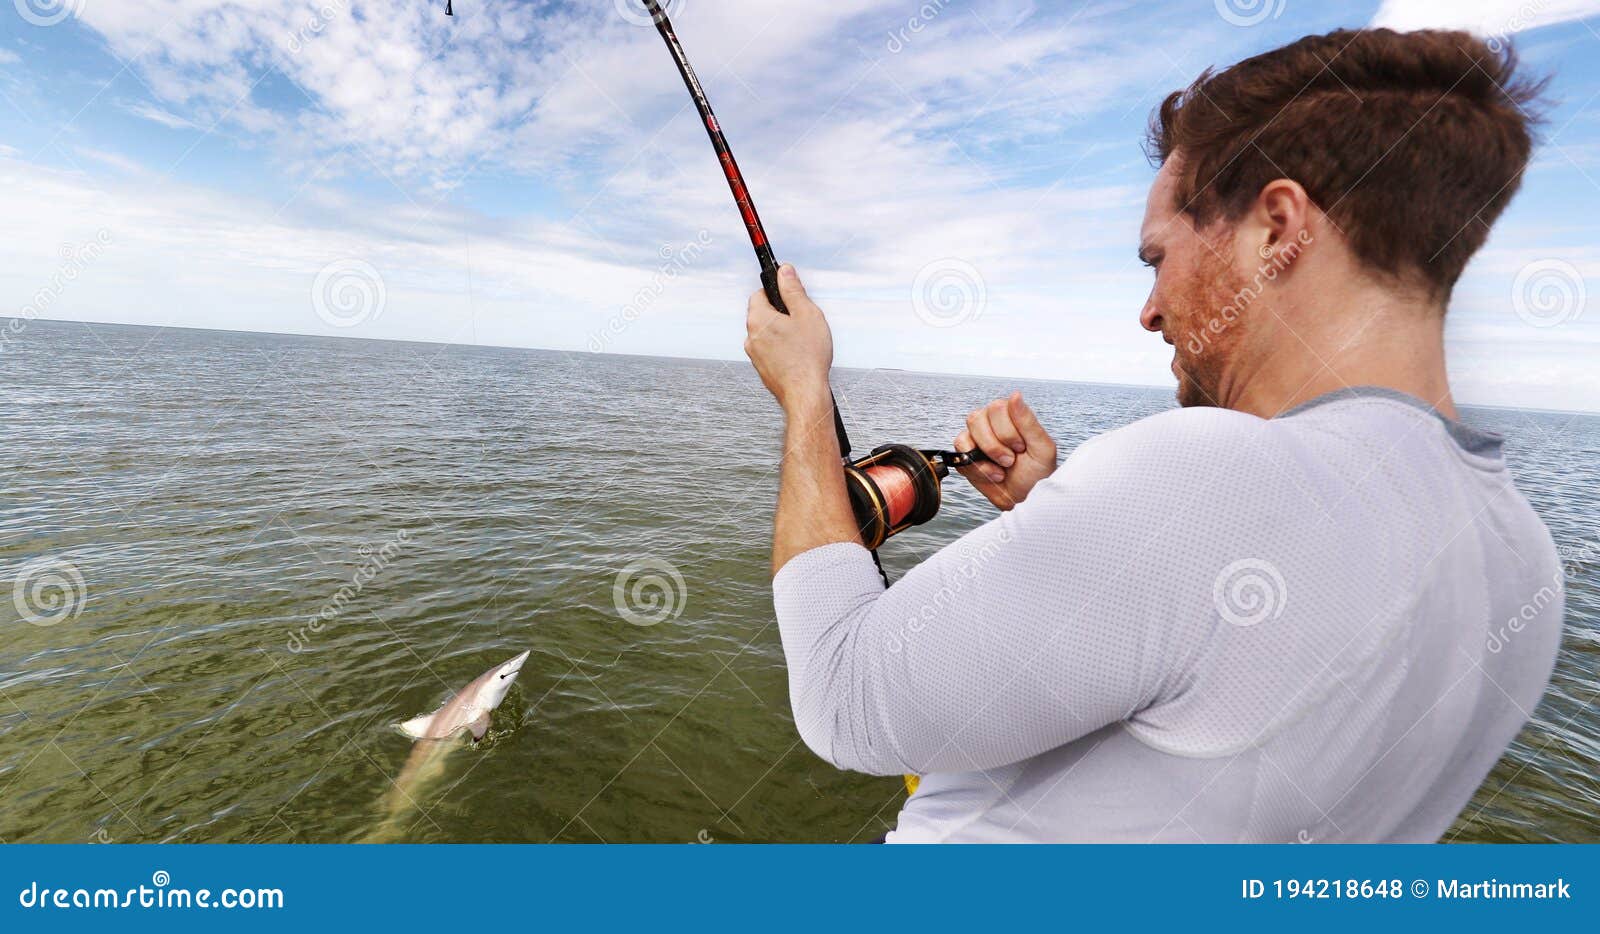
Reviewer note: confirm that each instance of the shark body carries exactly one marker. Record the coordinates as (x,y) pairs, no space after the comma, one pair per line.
(467,712)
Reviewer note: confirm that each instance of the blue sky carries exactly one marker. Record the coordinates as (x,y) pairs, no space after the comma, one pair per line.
(960,182)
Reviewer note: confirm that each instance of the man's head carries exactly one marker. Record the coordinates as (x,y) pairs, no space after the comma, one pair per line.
(1355,161)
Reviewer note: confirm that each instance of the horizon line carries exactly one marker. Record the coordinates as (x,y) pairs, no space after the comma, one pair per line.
(593,353)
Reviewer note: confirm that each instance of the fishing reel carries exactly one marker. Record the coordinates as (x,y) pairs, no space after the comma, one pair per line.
(898,486)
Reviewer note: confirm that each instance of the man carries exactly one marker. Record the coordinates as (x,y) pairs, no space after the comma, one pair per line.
(1306,605)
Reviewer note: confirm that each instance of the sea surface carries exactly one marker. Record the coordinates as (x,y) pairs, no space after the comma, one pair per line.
(231,563)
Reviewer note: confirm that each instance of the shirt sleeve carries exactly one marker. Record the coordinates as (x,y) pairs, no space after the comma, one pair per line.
(1037,628)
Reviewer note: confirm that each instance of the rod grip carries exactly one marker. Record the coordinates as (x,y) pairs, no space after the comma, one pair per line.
(769,283)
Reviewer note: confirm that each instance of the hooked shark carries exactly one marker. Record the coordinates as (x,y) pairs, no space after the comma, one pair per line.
(467,712)
(470,709)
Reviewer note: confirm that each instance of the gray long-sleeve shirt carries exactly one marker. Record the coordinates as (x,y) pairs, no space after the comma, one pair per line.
(1205,626)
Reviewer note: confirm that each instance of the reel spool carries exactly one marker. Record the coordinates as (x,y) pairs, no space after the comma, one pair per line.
(896,487)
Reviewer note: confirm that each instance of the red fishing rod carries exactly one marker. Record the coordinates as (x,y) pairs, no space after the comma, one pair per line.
(896,486)
(741,192)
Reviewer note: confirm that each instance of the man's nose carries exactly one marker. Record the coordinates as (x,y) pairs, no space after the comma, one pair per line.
(1150,317)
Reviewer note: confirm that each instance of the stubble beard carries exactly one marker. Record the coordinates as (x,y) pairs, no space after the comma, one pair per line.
(1202,351)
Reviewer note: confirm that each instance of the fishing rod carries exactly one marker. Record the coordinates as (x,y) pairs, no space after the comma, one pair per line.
(741,192)
(896,486)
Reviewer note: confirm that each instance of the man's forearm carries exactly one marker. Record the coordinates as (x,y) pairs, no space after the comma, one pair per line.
(813,507)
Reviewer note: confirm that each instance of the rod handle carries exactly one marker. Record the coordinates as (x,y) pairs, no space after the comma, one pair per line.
(769,283)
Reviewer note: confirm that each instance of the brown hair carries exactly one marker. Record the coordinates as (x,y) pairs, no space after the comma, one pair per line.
(1412,143)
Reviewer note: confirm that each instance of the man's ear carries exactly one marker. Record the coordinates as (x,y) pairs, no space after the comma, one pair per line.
(1278,227)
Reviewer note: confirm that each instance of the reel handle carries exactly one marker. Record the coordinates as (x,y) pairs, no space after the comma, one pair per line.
(769,284)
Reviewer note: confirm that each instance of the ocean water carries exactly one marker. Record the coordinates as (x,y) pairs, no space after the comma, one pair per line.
(230,563)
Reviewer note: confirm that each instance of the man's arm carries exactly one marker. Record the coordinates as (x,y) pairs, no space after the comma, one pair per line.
(1027,633)
(813,507)
(793,354)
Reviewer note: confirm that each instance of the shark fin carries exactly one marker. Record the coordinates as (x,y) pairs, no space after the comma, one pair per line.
(417,727)
(479,727)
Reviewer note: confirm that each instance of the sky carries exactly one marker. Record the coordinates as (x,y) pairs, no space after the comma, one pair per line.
(960,183)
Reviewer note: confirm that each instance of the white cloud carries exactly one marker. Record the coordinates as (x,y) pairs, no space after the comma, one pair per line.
(178,255)
(871,155)
(148,111)
(115,161)
(1487,18)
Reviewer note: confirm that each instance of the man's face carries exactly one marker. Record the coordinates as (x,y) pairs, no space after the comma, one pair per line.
(1193,303)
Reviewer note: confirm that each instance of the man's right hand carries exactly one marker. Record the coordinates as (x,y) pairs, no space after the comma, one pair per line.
(1020,452)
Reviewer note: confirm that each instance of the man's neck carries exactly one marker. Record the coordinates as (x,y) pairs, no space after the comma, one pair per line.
(1368,340)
